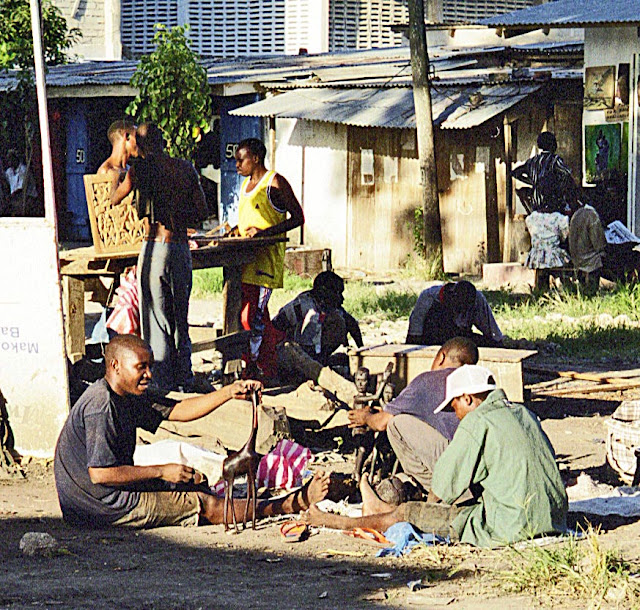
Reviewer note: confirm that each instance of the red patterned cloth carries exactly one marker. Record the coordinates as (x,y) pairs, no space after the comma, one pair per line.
(282,468)
(125,317)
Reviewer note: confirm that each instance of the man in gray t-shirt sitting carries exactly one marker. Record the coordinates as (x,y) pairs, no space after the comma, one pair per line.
(417,435)
(96,479)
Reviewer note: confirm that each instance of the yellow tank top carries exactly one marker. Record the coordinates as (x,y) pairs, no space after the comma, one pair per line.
(255,209)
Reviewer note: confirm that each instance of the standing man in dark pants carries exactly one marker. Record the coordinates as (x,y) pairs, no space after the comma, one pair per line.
(168,197)
(266,198)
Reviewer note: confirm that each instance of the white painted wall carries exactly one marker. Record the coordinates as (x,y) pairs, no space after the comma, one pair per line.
(322,187)
(99,22)
(610,46)
(33,363)
(306,24)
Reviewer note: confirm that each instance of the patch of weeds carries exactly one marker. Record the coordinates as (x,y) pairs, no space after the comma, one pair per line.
(417,267)
(295,283)
(577,569)
(206,283)
(362,300)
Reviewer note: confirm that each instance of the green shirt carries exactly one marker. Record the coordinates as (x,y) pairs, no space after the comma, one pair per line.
(501,447)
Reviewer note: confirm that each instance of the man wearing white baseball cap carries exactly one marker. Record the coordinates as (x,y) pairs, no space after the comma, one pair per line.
(500,453)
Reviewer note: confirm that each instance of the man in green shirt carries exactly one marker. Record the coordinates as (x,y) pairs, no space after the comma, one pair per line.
(499,453)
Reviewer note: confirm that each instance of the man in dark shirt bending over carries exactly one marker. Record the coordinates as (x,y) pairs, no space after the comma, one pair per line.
(417,434)
(97,482)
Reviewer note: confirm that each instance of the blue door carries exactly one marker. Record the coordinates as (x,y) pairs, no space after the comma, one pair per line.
(233,129)
(76,167)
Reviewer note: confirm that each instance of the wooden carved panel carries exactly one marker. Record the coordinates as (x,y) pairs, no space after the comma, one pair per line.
(114,228)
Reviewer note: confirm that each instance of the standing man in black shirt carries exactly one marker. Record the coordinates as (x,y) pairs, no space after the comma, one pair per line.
(168,197)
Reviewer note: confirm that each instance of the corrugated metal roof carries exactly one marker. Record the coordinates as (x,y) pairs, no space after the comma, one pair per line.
(453,108)
(366,68)
(450,78)
(576,13)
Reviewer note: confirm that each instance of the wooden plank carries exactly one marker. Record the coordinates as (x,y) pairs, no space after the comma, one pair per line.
(231,299)
(579,374)
(73,313)
(463,208)
(605,387)
(230,424)
(114,228)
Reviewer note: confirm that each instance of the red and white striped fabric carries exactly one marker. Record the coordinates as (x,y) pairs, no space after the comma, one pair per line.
(282,468)
(125,317)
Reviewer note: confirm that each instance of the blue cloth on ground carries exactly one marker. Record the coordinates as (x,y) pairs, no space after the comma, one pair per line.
(404,537)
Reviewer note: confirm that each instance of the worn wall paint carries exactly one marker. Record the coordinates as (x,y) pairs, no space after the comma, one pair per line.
(99,22)
(33,365)
(323,148)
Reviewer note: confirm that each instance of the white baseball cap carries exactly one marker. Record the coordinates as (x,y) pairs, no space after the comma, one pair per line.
(468,379)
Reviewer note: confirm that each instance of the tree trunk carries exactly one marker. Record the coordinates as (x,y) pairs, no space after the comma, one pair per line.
(424,125)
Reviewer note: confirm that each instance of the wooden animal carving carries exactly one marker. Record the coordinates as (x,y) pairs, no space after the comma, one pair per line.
(238,463)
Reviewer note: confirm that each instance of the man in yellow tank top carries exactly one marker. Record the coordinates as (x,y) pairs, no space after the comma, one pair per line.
(265,200)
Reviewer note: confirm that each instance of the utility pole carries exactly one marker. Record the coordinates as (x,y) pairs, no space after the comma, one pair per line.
(424,125)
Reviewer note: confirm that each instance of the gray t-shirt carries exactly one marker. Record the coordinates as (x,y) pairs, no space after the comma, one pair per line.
(421,397)
(100,432)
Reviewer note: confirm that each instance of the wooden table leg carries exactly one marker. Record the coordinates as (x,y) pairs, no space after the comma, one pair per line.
(73,309)
(231,298)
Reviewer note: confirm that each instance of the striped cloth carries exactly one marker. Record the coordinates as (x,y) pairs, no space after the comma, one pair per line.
(282,468)
(125,317)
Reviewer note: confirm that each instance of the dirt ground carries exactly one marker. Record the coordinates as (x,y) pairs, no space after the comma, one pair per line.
(205,568)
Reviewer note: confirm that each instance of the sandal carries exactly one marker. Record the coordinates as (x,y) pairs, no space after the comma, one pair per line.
(368,534)
(294,531)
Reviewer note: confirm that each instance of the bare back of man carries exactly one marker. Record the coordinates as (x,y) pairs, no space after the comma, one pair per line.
(122,135)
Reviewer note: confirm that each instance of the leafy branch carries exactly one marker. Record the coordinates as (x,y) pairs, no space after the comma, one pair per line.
(173,91)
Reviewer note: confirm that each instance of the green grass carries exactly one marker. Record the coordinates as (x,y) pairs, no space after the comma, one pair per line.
(582,326)
(575,570)
(363,299)
(207,284)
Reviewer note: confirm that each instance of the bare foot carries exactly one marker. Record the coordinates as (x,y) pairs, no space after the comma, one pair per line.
(314,491)
(314,516)
(371,503)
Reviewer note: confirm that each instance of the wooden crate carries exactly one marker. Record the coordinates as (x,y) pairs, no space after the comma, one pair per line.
(411,360)
(114,228)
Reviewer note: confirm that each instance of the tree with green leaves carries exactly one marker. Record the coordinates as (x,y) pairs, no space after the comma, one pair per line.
(16,42)
(173,92)
(18,106)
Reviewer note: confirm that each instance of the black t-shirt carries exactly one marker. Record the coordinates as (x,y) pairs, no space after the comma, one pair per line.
(100,432)
(422,396)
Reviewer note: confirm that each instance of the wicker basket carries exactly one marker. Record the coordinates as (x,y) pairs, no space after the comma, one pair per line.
(622,439)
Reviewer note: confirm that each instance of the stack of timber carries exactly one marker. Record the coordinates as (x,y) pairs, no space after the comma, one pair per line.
(585,381)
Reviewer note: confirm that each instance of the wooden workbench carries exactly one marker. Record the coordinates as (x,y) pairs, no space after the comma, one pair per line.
(411,360)
(81,264)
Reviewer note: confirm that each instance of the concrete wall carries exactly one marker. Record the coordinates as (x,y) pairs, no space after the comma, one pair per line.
(33,364)
(321,148)
(609,46)
(99,22)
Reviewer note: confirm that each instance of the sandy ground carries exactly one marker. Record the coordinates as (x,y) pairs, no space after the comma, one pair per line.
(206,568)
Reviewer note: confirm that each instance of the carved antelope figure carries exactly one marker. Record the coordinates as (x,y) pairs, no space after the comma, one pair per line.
(238,463)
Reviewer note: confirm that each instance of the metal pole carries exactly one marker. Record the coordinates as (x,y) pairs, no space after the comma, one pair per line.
(508,214)
(41,90)
(424,126)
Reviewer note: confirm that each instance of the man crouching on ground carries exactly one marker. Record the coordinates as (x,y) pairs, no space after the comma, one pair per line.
(96,479)
(498,450)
